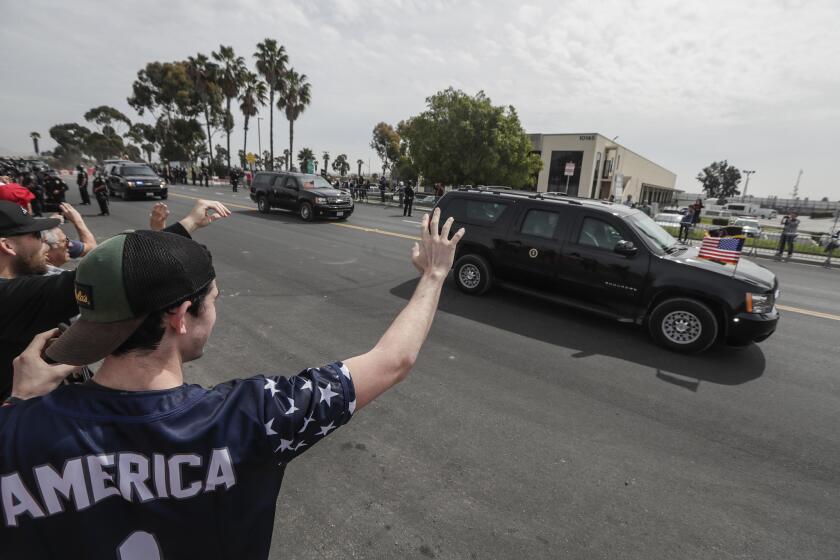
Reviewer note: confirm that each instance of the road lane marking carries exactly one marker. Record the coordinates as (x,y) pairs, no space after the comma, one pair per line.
(412,222)
(819,314)
(801,311)
(379,231)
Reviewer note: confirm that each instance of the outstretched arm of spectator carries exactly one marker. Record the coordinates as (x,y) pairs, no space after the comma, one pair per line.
(85,236)
(33,376)
(390,361)
(204,213)
(157,218)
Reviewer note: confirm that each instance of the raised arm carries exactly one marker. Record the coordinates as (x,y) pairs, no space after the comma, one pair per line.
(390,361)
(203,214)
(85,236)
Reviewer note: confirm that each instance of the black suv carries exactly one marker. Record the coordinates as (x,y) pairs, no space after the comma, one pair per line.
(128,179)
(311,196)
(612,260)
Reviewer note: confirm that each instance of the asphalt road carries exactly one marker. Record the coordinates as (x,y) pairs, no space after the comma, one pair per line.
(527,430)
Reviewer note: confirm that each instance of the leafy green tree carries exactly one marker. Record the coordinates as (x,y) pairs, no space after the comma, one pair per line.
(272,62)
(35,137)
(105,145)
(106,116)
(144,135)
(231,76)
(720,180)
(303,156)
(464,139)
(133,153)
(166,91)
(341,165)
(386,143)
(71,139)
(184,140)
(252,95)
(204,75)
(294,97)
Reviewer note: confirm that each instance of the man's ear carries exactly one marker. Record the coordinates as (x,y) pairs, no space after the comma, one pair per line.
(7,247)
(177,318)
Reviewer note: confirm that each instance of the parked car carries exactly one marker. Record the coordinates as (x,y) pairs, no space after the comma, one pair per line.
(310,196)
(668,220)
(751,226)
(127,179)
(612,260)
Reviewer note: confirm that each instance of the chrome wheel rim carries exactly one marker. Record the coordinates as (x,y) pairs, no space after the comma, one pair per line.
(470,276)
(682,327)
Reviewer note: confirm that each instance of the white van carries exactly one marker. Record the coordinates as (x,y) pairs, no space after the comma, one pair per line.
(747,209)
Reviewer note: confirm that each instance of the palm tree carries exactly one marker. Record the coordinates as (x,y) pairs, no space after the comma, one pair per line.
(341,165)
(359,162)
(287,158)
(271,64)
(303,156)
(252,95)
(203,73)
(232,72)
(326,156)
(35,137)
(293,98)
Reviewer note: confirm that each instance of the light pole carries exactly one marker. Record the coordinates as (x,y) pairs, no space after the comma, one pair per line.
(747,184)
(259,139)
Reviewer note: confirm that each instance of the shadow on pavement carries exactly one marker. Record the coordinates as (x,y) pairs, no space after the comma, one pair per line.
(592,335)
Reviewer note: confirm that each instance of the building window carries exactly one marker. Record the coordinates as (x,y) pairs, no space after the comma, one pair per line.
(557,179)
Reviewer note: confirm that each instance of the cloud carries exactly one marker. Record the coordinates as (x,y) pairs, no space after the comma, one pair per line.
(716,79)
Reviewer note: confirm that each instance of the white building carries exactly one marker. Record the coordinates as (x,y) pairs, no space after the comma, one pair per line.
(597,161)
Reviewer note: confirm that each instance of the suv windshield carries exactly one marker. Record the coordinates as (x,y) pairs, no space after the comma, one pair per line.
(310,182)
(135,170)
(659,239)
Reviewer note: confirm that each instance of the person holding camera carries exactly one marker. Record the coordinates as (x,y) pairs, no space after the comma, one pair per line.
(788,236)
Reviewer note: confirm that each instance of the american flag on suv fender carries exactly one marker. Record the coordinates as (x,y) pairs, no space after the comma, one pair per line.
(722,249)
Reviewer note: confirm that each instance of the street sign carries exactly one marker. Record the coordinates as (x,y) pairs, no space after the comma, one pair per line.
(250,158)
(570,169)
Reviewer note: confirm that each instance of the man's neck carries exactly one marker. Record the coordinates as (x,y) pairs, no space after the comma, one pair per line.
(134,371)
(6,270)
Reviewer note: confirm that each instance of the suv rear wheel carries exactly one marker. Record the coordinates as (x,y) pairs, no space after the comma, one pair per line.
(305,212)
(262,204)
(683,325)
(473,274)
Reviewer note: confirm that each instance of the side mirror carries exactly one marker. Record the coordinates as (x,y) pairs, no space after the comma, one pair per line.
(626,248)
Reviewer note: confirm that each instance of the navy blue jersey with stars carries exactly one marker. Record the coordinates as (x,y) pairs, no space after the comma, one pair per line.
(190,472)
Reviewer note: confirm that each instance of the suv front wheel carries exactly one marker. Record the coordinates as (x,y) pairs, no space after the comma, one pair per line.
(683,325)
(473,275)
(305,212)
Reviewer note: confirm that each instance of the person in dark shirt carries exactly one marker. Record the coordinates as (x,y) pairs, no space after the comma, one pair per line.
(409,200)
(32,302)
(100,191)
(137,464)
(82,182)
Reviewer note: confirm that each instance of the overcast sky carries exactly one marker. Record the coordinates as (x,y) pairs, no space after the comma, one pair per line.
(681,83)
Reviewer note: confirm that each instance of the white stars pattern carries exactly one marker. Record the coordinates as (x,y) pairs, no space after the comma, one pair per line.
(268,430)
(327,393)
(326,429)
(318,411)
(271,385)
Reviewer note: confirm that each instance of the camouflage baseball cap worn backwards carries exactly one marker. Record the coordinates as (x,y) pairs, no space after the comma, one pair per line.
(121,282)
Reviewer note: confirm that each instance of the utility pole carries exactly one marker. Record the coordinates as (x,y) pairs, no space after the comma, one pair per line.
(796,186)
(747,184)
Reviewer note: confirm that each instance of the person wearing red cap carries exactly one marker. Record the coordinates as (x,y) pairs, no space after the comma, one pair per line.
(20,195)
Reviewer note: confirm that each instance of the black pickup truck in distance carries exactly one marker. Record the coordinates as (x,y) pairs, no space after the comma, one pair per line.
(612,260)
(310,196)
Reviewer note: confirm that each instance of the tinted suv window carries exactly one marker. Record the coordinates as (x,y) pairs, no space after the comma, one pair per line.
(476,211)
(540,223)
(278,181)
(262,180)
(598,233)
